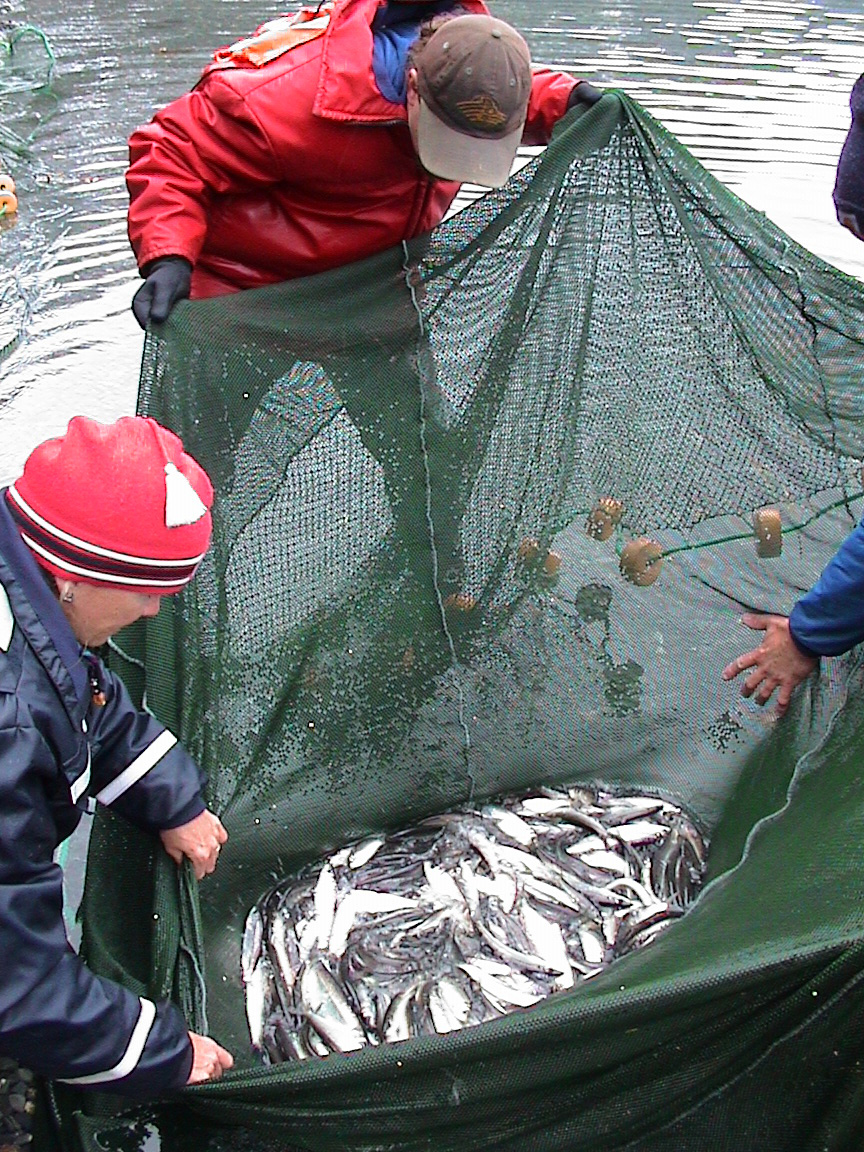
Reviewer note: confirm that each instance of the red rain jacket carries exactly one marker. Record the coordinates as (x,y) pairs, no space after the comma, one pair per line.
(262,174)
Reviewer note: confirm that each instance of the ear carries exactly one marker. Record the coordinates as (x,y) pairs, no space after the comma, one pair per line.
(65,590)
(411,80)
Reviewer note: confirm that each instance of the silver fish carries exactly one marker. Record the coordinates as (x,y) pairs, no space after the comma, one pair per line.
(258,999)
(464,918)
(328,1011)
(399,1021)
(503,986)
(250,948)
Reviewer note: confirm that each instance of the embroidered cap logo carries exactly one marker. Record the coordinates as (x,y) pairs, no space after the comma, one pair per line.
(482,112)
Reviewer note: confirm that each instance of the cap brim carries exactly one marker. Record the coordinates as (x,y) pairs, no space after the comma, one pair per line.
(452,155)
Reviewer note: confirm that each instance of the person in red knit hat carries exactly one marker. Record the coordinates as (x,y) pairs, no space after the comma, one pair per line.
(102,523)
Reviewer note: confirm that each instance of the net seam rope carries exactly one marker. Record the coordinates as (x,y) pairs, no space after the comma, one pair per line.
(427,477)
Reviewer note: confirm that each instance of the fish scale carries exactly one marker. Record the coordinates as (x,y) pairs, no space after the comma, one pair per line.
(463,918)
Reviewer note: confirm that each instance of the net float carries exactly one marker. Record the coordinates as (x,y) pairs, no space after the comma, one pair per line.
(604,517)
(613,508)
(769,532)
(460,602)
(8,203)
(7,184)
(599,525)
(528,550)
(408,660)
(640,561)
(552,564)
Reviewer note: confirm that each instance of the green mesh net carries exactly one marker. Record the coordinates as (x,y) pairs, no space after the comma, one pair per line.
(403,612)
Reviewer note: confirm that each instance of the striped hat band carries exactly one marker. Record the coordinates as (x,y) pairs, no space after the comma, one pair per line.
(78,559)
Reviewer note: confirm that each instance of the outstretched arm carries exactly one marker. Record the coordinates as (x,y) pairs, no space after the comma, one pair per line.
(553,94)
(143,772)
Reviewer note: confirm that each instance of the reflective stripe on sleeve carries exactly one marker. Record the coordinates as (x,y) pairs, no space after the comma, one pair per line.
(138,768)
(7,621)
(133,1051)
(79,787)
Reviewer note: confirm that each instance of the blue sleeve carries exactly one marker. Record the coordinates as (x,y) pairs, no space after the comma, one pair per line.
(56,1016)
(139,768)
(829,619)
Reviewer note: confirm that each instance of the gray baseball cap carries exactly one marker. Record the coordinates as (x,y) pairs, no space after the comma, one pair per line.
(474,83)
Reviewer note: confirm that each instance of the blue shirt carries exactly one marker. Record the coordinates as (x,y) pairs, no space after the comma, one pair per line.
(829,619)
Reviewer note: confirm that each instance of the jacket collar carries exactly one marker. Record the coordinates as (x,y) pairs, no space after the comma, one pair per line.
(346,85)
(40,617)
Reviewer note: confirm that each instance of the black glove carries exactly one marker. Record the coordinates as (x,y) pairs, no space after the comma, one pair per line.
(583,93)
(168,281)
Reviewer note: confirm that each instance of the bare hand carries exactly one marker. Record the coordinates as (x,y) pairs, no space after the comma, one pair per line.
(209,1061)
(778,662)
(199,841)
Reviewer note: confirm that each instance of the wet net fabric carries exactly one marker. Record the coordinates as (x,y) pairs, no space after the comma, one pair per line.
(402,612)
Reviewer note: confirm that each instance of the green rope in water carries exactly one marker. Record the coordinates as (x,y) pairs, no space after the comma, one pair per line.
(31,30)
(11,142)
(9,347)
(18,33)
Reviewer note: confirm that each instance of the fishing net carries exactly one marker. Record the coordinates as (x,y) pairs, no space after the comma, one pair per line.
(428,468)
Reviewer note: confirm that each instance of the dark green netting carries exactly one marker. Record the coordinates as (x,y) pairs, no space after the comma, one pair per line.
(364,646)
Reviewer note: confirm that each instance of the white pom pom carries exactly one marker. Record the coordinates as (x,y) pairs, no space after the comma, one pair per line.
(183,505)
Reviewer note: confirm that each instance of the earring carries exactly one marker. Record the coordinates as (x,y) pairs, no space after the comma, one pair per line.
(68,596)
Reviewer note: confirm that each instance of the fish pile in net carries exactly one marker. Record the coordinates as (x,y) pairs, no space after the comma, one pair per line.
(463,918)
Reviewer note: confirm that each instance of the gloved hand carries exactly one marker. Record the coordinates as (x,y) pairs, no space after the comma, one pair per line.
(168,280)
(583,93)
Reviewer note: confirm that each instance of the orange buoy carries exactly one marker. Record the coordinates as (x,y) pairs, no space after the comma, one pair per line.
(8,203)
(7,184)
(640,561)
(769,532)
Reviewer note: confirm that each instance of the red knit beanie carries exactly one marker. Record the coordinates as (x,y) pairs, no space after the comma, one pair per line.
(116,505)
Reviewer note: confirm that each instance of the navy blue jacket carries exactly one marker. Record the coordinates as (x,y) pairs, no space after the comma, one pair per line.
(57,752)
(829,619)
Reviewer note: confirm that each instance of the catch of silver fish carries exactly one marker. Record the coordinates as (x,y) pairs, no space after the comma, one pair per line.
(463,918)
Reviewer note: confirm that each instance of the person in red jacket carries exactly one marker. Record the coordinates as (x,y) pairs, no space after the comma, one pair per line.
(329,136)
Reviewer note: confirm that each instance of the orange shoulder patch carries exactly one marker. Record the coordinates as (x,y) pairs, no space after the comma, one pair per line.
(276,37)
